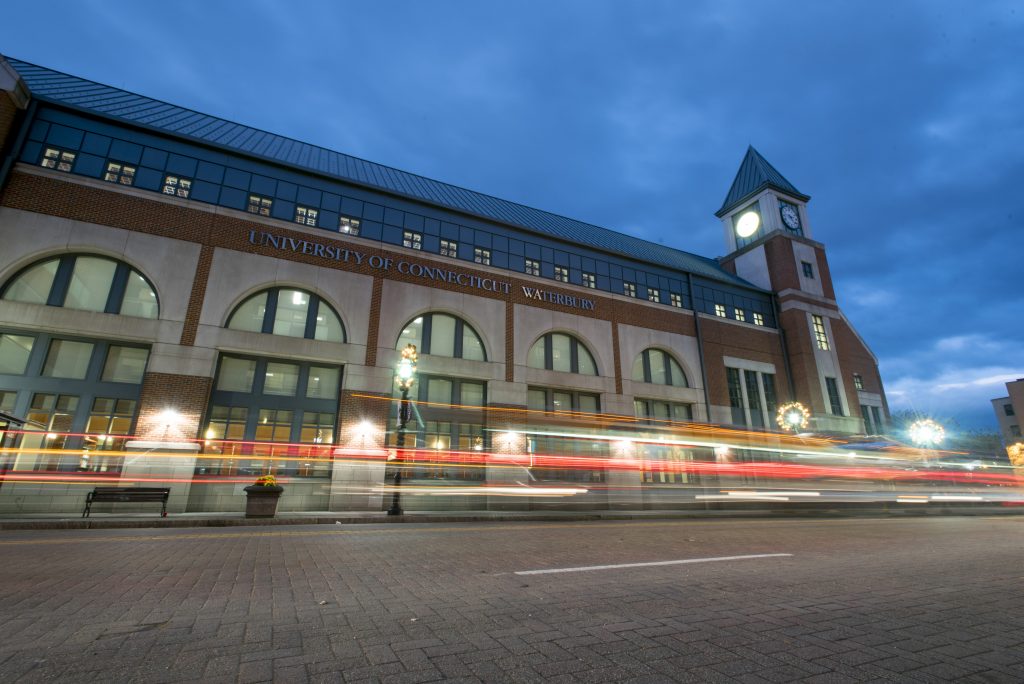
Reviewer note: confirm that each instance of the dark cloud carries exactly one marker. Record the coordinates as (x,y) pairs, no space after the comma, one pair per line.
(902,120)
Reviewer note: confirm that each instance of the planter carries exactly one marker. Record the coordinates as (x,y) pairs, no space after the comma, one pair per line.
(261,502)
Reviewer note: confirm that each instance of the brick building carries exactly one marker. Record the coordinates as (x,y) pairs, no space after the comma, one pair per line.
(170,275)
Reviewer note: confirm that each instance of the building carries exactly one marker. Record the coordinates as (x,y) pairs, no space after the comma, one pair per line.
(171,275)
(1008,410)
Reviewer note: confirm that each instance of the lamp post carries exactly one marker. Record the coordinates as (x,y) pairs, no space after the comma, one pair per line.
(405,378)
(926,433)
(792,417)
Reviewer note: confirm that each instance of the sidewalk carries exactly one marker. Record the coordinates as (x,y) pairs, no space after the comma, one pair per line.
(759,510)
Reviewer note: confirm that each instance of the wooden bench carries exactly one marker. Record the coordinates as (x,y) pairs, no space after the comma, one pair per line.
(126,494)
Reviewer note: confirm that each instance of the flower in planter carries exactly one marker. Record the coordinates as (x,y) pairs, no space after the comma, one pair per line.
(266,481)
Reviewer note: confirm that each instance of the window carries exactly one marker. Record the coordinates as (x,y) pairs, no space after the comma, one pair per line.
(758,319)
(589,281)
(629,289)
(879,424)
(653,410)
(1015,430)
(86,282)
(288,312)
(348,225)
(752,397)
(442,334)
(548,399)
(1008,409)
(412,240)
(835,404)
(658,367)
(562,273)
(675,300)
(260,205)
(271,400)
(108,417)
(532,267)
(125,364)
(561,352)
(61,160)
(482,256)
(59,381)
(14,353)
(653,295)
(808,269)
(720,310)
(119,173)
(449,248)
(858,381)
(177,186)
(740,314)
(819,332)
(306,216)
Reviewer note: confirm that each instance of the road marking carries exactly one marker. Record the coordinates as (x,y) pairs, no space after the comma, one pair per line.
(647,565)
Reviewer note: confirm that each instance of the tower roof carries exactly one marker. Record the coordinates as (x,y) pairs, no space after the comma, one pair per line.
(755,175)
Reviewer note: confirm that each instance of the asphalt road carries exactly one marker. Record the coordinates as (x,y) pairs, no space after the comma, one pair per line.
(918,599)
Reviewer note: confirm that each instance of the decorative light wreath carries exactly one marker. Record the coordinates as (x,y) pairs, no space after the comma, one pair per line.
(926,432)
(792,416)
(1016,454)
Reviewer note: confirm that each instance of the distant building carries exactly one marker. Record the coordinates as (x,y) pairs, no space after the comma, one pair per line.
(1008,411)
(166,273)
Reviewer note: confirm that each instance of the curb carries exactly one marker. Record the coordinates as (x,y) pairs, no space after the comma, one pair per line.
(808,511)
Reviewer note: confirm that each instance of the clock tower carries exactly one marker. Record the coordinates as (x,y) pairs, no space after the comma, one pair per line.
(771,244)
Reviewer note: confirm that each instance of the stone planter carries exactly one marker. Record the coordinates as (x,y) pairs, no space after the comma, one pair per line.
(261,502)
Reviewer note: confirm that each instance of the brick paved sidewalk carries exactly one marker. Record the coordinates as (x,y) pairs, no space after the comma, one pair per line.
(929,599)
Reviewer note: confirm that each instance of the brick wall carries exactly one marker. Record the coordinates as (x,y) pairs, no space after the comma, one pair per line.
(729,339)
(8,112)
(184,395)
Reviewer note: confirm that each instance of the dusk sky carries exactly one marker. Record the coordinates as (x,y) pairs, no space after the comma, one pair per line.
(902,120)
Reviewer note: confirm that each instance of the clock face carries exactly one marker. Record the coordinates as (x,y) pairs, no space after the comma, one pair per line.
(747,224)
(790,217)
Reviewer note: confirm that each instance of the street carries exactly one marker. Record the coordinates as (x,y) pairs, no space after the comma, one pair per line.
(869,599)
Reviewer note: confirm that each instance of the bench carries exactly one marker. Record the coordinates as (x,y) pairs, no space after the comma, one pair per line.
(126,494)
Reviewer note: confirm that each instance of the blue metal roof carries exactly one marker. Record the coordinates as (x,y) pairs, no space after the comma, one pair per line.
(54,86)
(754,175)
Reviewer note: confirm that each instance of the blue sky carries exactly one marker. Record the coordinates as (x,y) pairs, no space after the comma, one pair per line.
(902,120)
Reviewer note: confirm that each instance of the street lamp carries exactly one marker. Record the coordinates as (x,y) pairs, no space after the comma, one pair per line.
(792,416)
(405,377)
(926,433)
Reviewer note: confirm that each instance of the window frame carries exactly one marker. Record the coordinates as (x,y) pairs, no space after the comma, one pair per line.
(449,248)
(351,223)
(270,314)
(574,399)
(412,240)
(426,330)
(124,172)
(306,216)
(820,332)
(574,356)
(482,256)
(58,161)
(531,267)
(561,274)
(648,374)
(180,187)
(61,283)
(259,205)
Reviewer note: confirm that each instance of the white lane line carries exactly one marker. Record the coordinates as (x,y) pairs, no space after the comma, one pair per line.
(647,565)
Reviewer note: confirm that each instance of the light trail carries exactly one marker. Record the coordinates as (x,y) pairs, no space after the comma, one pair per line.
(590,568)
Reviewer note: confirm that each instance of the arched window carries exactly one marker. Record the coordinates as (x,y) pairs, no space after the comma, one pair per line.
(442,335)
(561,352)
(288,312)
(85,282)
(658,367)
